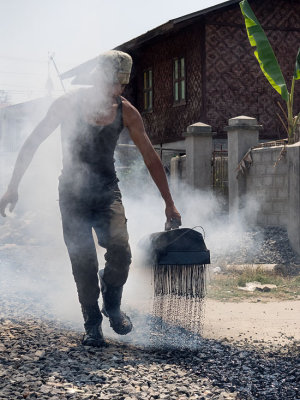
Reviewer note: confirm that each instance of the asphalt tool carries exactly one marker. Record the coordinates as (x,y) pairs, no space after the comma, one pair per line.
(178,257)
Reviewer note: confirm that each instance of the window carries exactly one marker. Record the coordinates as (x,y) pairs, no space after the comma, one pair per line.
(148,90)
(179,80)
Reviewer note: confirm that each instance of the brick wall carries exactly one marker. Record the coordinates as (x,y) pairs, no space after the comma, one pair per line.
(267,182)
(294,196)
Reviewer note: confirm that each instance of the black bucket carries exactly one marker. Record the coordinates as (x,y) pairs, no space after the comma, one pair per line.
(179,258)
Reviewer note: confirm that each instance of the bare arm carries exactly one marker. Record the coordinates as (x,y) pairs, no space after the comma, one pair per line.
(133,121)
(39,134)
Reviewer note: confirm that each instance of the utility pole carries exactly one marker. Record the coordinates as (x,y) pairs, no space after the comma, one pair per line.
(51,58)
(49,83)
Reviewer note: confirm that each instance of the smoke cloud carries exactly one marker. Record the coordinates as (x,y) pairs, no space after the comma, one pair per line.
(34,262)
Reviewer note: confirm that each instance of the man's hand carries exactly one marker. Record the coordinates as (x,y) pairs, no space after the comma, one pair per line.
(10,197)
(173,217)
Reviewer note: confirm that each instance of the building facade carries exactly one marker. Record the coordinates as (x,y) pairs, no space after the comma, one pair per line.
(201,68)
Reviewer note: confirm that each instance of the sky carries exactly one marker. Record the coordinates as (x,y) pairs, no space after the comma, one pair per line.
(73,31)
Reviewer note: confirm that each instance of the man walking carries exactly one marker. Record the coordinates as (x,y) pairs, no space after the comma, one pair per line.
(91,120)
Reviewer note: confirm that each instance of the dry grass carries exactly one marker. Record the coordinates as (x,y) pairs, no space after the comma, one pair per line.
(224,287)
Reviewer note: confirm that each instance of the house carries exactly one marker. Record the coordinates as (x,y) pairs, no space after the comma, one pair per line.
(201,68)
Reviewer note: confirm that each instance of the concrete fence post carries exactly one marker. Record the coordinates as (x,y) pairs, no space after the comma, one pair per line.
(243,133)
(198,142)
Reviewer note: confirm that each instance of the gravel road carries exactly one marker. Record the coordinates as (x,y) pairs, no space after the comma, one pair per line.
(258,246)
(43,360)
(41,356)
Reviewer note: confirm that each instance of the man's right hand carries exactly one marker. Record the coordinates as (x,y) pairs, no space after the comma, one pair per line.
(10,197)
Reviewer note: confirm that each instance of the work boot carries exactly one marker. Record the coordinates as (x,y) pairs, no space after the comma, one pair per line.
(112,296)
(92,324)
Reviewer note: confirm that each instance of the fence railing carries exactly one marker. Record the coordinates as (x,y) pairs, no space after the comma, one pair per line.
(219,171)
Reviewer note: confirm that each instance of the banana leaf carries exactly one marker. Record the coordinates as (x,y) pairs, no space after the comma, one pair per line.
(264,52)
(297,66)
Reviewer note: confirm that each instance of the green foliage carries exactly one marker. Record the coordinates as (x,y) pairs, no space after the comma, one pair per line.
(264,52)
(297,67)
(270,67)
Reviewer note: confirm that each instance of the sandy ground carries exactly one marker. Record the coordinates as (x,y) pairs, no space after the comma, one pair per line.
(273,322)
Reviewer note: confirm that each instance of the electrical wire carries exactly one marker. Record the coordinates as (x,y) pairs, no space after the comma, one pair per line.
(21,73)
(23,59)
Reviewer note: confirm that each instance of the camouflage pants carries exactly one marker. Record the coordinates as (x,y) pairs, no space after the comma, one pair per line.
(109,223)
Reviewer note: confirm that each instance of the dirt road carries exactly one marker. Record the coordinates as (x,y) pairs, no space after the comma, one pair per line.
(256,322)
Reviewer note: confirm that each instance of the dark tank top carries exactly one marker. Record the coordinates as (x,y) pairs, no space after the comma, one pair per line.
(88,155)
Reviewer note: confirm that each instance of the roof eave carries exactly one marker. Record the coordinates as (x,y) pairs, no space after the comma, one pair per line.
(171,25)
(161,30)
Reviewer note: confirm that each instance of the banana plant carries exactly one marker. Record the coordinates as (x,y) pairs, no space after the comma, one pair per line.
(270,67)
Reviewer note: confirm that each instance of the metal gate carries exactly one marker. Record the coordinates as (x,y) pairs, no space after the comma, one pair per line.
(219,171)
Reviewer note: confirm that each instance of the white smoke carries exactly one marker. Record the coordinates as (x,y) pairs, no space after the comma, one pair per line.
(38,211)
(35,262)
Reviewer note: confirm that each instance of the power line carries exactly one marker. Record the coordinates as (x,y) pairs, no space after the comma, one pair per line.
(31,91)
(13,85)
(66,62)
(51,58)
(23,59)
(21,73)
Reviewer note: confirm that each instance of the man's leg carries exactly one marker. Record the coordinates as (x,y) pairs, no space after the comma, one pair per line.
(77,231)
(82,252)
(111,230)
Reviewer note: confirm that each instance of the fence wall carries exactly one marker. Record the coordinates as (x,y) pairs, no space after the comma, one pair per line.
(267,183)
(272,178)
(294,196)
